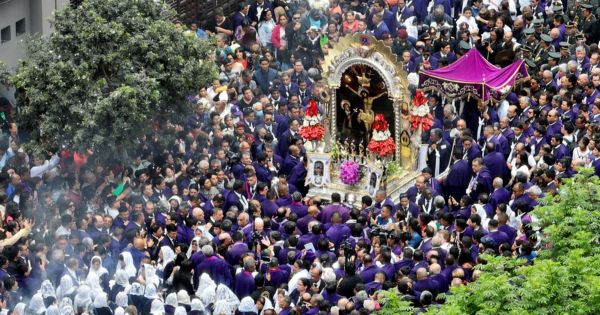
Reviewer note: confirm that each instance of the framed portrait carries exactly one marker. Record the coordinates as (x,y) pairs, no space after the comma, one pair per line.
(318,169)
(374,175)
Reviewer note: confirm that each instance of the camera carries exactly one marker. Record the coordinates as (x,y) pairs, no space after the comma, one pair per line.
(348,248)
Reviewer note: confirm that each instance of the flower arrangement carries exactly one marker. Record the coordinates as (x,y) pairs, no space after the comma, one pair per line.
(349,172)
(419,114)
(381,143)
(311,129)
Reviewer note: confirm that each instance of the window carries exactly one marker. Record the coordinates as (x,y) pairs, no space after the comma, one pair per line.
(5,35)
(20,27)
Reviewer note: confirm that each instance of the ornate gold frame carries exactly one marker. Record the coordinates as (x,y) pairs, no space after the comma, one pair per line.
(366,50)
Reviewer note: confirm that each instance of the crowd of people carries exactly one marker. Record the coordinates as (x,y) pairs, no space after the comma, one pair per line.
(217,220)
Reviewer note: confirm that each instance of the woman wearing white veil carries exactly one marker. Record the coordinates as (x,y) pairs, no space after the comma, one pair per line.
(83,299)
(171,303)
(19,309)
(223,308)
(119,311)
(205,282)
(180,310)
(166,255)
(157,307)
(93,282)
(48,292)
(136,294)
(36,305)
(101,305)
(97,268)
(121,284)
(126,263)
(53,310)
(268,306)
(121,299)
(66,288)
(190,250)
(225,294)
(66,302)
(150,275)
(150,294)
(482,214)
(247,306)
(197,307)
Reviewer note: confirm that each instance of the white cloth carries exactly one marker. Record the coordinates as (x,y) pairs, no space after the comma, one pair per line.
(197,305)
(183,297)
(83,297)
(36,305)
(127,265)
(247,305)
(47,289)
(101,270)
(121,299)
(150,275)
(121,278)
(157,307)
(300,274)
(180,310)
(101,300)
(225,294)
(151,291)
(53,310)
(171,299)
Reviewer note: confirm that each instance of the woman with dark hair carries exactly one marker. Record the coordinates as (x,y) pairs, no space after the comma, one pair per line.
(266,24)
(280,43)
(349,281)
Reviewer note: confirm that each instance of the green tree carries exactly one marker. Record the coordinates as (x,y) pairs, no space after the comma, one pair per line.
(564,279)
(109,70)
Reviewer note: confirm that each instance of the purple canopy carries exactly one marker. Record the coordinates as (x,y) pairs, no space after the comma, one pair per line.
(473,76)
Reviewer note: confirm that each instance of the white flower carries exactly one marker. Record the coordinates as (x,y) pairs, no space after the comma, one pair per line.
(420,111)
(381,135)
(312,120)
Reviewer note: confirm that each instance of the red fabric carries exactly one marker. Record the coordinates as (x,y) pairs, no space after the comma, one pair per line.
(419,98)
(383,148)
(380,124)
(310,133)
(312,109)
(275,36)
(424,122)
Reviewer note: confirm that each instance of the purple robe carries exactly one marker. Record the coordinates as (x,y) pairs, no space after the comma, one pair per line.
(218,269)
(496,164)
(244,284)
(235,252)
(368,274)
(337,233)
(331,209)
(278,277)
(299,209)
(500,195)
(458,178)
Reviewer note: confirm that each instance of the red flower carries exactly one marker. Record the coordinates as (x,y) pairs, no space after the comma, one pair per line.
(310,133)
(419,98)
(383,148)
(312,109)
(380,124)
(424,122)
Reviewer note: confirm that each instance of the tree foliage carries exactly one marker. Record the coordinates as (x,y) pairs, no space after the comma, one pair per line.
(564,279)
(110,68)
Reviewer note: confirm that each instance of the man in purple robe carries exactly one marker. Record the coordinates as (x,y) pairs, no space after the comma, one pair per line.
(218,269)
(313,237)
(369,269)
(237,249)
(275,276)
(455,184)
(481,182)
(495,162)
(337,232)
(498,236)
(244,281)
(335,206)
(297,207)
(500,194)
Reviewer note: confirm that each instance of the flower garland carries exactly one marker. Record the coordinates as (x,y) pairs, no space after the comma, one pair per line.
(311,127)
(381,143)
(349,172)
(419,114)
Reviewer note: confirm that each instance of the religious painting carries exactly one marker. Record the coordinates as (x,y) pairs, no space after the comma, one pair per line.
(318,172)
(362,95)
(374,179)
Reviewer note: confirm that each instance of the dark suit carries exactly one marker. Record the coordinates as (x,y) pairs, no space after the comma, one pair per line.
(458,178)
(443,149)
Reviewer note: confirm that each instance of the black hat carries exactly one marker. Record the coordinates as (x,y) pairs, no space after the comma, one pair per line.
(563,45)
(579,36)
(538,22)
(530,63)
(554,55)
(587,6)
(529,31)
(546,38)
